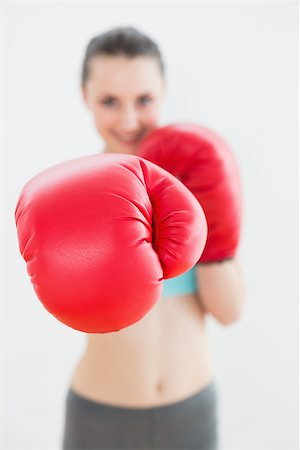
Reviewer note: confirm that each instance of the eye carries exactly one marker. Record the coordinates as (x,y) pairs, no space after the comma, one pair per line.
(109,101)
(144,100)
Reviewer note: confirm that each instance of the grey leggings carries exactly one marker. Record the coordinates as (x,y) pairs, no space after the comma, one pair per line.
(188,424)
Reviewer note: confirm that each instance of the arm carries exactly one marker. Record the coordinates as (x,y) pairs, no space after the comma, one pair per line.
(203,161)
(221,290)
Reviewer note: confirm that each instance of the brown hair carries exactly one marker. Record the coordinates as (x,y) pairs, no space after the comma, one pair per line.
(125,41)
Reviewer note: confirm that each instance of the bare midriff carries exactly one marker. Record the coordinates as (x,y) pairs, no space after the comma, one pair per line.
(162,359)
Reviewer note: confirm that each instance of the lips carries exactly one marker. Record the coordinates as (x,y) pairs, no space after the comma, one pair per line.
(132,139)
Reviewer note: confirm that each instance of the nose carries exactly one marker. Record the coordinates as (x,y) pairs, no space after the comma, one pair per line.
(129,120)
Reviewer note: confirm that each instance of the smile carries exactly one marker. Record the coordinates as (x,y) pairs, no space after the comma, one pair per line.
(129,139)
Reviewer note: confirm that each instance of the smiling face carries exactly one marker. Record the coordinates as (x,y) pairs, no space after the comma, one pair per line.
(125,97)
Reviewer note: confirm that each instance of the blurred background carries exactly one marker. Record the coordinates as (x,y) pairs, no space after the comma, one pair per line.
(232,66)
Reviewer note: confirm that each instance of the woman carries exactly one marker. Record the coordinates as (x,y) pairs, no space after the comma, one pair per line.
(151,385)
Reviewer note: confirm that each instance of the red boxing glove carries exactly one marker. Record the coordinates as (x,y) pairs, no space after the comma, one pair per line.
(100,232)
(204,163)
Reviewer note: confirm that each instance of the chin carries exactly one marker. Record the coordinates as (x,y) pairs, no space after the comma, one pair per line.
(118,147)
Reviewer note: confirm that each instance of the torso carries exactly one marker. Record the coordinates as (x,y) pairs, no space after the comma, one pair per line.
(162,359)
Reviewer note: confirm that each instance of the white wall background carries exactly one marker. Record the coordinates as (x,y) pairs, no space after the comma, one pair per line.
(231,66)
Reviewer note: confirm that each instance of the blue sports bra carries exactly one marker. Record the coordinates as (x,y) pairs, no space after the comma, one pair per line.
(183,284)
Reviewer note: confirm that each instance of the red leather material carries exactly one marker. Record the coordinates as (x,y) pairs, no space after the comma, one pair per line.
(205,164)
(100,232)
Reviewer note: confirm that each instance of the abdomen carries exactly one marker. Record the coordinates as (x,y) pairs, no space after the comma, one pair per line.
(162,359)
